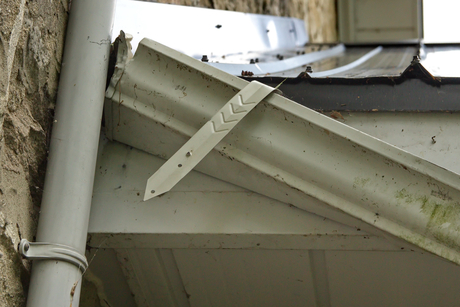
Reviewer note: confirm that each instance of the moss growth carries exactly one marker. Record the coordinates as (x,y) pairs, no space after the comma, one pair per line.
(442,214)
(360,182)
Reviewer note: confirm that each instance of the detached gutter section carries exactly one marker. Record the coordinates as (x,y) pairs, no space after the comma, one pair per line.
(284,151)
(62,229)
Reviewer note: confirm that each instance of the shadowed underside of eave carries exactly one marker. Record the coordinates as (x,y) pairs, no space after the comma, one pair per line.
(205,212)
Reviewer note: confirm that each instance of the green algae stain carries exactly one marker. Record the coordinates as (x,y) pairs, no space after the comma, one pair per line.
(442,212)
(445,239)
(360,182)
(404,196)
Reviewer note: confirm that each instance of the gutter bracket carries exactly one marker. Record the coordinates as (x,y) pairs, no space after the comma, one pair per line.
(200,144)
(52,251)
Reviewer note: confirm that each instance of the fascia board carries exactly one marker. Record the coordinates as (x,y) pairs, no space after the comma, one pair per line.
(164,97)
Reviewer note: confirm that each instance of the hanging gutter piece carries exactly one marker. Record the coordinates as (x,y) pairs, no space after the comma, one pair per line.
(200,144)
(286,151)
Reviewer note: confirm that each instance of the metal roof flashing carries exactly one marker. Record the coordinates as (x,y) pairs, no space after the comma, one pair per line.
(283,150)
(199,31)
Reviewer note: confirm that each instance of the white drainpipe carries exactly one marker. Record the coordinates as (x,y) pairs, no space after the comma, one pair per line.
(63,222)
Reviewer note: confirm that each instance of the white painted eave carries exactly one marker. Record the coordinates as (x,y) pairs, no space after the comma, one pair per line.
(284,151)
(204,212)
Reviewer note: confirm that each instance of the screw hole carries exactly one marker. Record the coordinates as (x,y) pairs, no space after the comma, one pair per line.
(180,165)
(153,191)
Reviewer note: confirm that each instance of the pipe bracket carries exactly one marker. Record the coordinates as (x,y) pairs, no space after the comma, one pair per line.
(52,251)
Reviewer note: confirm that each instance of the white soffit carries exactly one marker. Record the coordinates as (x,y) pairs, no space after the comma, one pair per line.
(241,277)
(203,212)
(283,150)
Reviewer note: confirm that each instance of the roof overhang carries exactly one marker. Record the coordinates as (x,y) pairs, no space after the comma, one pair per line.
(283,150)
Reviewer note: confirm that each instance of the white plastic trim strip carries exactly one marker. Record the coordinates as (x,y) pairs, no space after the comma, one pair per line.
(349,66)
(262,69)
(207,31)
(189,155)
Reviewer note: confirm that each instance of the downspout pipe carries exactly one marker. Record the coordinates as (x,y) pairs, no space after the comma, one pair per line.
(69,178)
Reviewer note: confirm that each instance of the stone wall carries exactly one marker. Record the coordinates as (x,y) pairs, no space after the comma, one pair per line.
(31,43)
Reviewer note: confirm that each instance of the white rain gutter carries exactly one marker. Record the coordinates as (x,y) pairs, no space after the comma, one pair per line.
(285,151)
(64,216)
